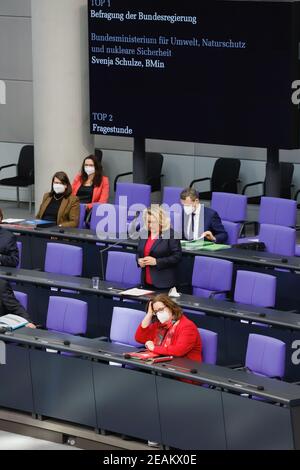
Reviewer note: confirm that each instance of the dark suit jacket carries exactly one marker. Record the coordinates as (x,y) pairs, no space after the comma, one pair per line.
(9,253)
(213,223)
(8,302)
(168,254)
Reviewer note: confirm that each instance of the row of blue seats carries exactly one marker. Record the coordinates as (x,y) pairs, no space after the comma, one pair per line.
(212,277)
(232,209)
(265,355)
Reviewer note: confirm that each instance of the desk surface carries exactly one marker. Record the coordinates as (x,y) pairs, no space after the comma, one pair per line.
(112,289)
(233,380)
(232,254)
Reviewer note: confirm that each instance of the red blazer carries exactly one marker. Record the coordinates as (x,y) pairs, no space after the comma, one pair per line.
(100,193)
(186,341)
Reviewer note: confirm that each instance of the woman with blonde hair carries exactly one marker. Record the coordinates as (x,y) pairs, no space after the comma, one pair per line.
(158,252)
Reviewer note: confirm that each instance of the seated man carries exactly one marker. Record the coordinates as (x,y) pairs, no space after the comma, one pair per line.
(9,253)
(9,303)
(213,229)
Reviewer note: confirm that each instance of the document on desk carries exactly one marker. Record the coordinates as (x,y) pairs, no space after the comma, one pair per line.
(135,292)
(202,245)
(12,322)
(12,221)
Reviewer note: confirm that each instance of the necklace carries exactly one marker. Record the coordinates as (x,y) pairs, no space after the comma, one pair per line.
(57,198)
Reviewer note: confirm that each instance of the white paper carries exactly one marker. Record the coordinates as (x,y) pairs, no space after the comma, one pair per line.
(173,292)
(12,221)
(13,321)
(136,292)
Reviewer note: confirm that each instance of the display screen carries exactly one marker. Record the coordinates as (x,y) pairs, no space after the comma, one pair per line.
(221,72)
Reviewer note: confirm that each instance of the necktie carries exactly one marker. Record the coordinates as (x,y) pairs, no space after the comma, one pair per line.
(193,224)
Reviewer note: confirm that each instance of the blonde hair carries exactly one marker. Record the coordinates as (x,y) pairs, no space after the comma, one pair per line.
(162,218)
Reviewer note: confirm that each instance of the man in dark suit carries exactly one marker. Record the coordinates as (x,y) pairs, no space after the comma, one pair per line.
(206,224)
(9,253)
(9,303)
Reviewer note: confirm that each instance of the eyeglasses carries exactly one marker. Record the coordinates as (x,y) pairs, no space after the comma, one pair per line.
(159,310)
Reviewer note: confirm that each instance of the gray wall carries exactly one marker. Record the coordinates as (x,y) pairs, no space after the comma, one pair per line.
(16,116)
(182,162)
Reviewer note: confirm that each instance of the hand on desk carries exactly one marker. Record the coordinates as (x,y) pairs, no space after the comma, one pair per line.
(30,325)
(209,236)
(149,345)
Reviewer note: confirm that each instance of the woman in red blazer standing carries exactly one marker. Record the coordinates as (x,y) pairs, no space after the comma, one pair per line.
(90,186)
(165,330)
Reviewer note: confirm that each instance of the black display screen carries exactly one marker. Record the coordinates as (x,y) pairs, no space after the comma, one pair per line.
(220,72)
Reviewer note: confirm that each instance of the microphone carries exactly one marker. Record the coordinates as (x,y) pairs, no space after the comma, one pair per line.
(245,384)
(131,229)
(107,248)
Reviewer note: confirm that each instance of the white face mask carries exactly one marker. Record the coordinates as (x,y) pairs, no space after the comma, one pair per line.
(90,170)
(163,316)
(58,188)
(188,209)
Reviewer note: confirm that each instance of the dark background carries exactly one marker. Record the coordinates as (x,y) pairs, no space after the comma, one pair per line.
(212,95)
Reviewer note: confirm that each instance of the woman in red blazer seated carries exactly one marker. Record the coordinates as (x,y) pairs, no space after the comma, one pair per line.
(165,330)
(90,186)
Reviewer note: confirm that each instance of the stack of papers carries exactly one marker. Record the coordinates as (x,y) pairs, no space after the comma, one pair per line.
(136,292)
(12,322)
(202,245)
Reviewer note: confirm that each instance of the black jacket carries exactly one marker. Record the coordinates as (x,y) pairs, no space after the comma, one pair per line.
(168,254)
(213,223)
(9,253)
(8,302)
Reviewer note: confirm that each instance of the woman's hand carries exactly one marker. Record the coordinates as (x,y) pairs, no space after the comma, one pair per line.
(141,262)
(150,308)
(150,261)
(150,345)
(30,325)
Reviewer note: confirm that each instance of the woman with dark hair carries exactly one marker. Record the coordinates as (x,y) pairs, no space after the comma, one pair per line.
(166,331)
(59,205)
(90,186)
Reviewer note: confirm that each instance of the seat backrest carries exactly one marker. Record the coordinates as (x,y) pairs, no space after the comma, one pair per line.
(124,324)
(255,288)
(171,195)
(99,155)
(278,211)
(82,216)
(22,298)
(25,166)
(233,231)
(67,315)
(209,340)
(154,163)
(225,174)
(286,178)
(63,259)
(109,219)
(211,274)
(278,239)
(265,356)
(122,267)
(134,194)
(19,245)
(232,207)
